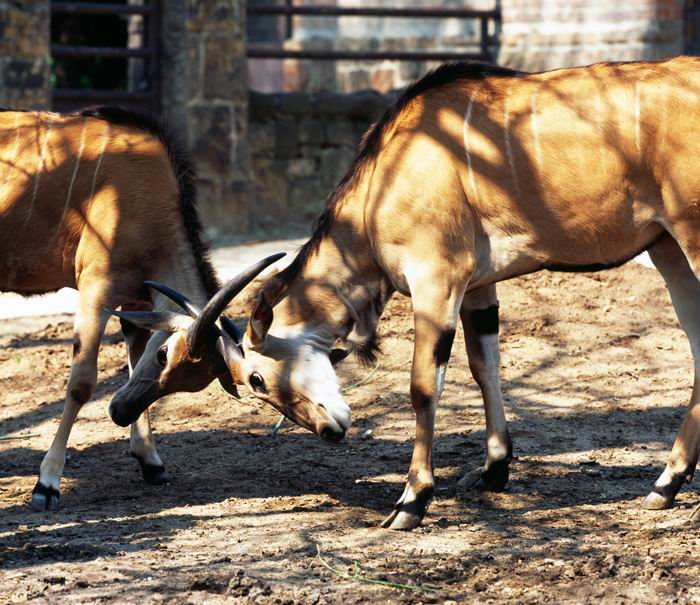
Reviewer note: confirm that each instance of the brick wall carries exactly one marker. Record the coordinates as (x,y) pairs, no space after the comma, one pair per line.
(24,54)
(546,34)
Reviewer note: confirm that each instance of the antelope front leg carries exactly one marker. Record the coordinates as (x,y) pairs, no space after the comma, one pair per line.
(141,444)
(435,319)
(90,322)
(479,315)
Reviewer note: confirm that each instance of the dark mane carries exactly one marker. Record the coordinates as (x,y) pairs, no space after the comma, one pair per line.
(184,173)
(369,148)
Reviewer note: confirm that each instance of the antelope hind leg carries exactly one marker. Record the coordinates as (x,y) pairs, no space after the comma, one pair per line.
(684,288)
(479,315)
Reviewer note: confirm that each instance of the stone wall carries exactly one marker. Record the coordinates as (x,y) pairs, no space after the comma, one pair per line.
(205,93)
(24,54)
(301,145)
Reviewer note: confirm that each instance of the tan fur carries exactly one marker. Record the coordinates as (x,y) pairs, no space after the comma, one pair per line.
(486,178)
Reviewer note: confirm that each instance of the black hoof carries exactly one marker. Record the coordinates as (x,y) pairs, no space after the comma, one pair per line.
(495,478)
(45,498)
(153,474)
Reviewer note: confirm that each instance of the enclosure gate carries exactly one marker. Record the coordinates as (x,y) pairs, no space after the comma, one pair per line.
(140,55)
(289,10)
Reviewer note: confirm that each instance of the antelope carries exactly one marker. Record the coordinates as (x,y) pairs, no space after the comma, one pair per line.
(475,175)
(100,201)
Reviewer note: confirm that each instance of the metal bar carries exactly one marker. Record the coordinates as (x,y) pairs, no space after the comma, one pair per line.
(485,38)
(288,21)
(86,93)
(64,50)
(92,8)
(153,32)
(255,52)
(344,11)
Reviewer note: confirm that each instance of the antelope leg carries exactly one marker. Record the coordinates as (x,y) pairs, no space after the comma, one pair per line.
(684,288)
(479,315)
(435,316)
(141,444)
(90,322)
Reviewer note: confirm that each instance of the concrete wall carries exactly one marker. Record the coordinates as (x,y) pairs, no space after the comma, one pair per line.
(24,54)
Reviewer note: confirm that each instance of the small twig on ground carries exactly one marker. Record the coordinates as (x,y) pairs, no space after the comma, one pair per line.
(356,577)
(361,382)
(18,437)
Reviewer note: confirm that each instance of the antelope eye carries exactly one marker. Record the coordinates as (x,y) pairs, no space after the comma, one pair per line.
(257,383)
(162,356)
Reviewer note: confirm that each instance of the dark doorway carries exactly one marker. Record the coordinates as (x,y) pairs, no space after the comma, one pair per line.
(105,52)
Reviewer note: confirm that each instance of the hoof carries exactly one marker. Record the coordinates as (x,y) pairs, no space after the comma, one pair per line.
(409,515)
(153,474)
(493,479)
(472,481)
(45,498)
(401,520)
(656,501)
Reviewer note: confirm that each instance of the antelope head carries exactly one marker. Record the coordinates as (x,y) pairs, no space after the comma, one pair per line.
(187,351)
(291,367)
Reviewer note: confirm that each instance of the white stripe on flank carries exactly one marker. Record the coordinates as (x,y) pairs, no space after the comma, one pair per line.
(664,120)
(509,143)
(81,147)
(601,121)
(39,170)
(99,162)
(637,117)
(467,119)
(536,128)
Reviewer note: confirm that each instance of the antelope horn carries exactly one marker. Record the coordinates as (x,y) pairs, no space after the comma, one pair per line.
(203,331)
(192,309)
(231,329)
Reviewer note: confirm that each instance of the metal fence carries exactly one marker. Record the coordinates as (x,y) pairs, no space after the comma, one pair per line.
(288,10)
(144,55)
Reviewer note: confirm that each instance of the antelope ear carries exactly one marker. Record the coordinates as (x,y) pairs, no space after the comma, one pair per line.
(260,321)
(150,320)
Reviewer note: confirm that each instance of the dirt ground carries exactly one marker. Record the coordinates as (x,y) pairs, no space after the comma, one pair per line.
(596,374)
